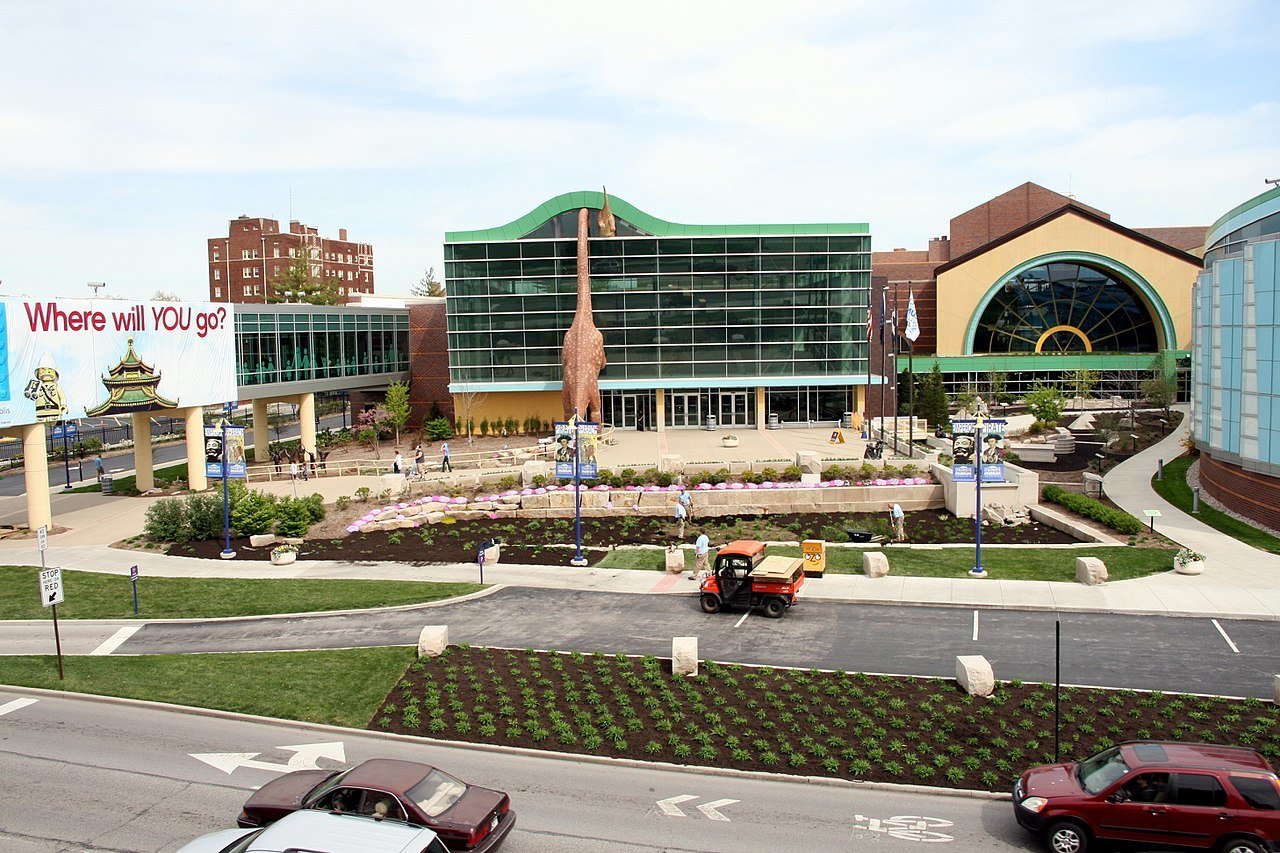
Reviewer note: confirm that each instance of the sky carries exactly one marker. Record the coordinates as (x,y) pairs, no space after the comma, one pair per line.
(132,132)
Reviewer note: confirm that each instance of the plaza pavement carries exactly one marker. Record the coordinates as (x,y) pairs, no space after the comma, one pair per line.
(1238,582)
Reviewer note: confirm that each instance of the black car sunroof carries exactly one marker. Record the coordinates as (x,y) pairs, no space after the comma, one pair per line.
(1150,752)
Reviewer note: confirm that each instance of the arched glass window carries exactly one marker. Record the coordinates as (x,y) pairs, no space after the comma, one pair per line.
(1066,307)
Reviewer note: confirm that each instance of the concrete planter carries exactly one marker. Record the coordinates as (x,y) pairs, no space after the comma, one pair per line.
(284,559)
(728,442)
(1189,567)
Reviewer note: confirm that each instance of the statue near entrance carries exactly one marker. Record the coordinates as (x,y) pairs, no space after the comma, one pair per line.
(583,357)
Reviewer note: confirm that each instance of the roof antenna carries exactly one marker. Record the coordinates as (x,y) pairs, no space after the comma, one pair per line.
(1070,194)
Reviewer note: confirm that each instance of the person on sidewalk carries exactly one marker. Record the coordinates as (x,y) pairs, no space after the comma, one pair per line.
(419,461)
(686,499)
(397,463)
(97,462)
(444,454)
(293,470)
(680,515)
(702,553)
(899,522)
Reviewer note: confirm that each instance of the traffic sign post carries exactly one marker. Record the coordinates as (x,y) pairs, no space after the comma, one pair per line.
(133,579)
(51,596)
(480,561)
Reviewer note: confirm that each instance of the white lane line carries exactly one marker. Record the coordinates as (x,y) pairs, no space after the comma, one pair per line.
(975,626)
(1233,646)
(15,705)
(743,619)
(115,640)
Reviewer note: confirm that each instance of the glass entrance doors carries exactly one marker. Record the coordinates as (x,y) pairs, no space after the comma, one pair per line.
(735,407)
(686,410)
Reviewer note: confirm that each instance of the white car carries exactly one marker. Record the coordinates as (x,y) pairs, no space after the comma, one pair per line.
(310,831)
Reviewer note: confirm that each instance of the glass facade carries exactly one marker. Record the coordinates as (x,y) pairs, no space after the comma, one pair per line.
(1065,307)
(289,345)
(674,311)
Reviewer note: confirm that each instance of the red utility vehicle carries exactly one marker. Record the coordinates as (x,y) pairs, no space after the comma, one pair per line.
(744,577)
(1157,796)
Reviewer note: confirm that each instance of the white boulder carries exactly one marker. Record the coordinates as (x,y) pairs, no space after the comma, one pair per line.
(974,674)
(874,564)
(433,640)
(684,656)
(1090,571)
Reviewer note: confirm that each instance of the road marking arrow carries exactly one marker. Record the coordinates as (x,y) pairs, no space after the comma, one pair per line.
(16,705)
(305,757)
(709,809)
(669,805)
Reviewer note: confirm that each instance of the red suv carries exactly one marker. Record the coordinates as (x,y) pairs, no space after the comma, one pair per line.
(1157,795)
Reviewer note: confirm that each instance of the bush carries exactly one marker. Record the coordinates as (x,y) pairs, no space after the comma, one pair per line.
(204,515)
(1046,403)
(295,518)
(315,507)
(166,521)
(665,479)
(341,502)
(791,472)
(253,514)
(362,494)
(438,429)
(1117,520)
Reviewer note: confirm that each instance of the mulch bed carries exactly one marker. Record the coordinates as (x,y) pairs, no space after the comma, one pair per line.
(458,542)
(850,726)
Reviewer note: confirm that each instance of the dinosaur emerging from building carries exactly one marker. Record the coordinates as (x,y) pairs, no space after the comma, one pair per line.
(583,356)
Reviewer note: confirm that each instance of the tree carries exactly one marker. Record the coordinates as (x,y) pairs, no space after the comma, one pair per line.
(1046,403)
(1082,382)
(465,402)
(165,296)
(301,283)
(397,407)
(1161,388)
(370,425)
(931,400)
(996,382)
(428,285)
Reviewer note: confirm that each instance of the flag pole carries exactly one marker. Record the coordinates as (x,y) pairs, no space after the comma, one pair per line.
(884,352)
(894,337)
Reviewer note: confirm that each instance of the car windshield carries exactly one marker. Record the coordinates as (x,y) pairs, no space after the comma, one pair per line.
(240,845)
(324,787)
(1096,773)
(436,793)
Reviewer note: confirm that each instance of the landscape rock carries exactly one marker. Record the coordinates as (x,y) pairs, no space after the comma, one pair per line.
(675,561)
(433,517)
(809,462)
(1091,571)
(1006,516)
(433,506)
(481,505)
(974,674)
(874,564)
(684,656)
(469,514)
(1276,687)
(492,554)
(433,640)
(671,463)
(258,540)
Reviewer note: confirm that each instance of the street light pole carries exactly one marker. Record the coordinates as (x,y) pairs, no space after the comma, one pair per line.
(66,461)
(578,559)
(977,571)
(227,553)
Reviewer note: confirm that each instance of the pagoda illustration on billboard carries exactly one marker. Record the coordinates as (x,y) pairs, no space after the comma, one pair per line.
(131,387)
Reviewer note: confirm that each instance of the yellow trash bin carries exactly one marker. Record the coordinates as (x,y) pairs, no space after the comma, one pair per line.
(814,552)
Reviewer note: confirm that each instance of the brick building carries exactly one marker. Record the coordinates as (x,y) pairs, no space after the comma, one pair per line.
(256,252)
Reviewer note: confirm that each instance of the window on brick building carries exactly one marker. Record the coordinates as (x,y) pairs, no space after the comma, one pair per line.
(248,291)
(244,254)
(217,293)
(293,253)
(248,272)
(215,255)
(217,275)
(256,272)
(350,275)
(277,248)
(275,270)
(257,291)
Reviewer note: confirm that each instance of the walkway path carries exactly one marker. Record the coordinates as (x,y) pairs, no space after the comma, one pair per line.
(1229,563)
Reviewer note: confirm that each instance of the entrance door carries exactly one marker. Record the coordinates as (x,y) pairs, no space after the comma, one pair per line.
(686,411)
(627,417)
(734,408)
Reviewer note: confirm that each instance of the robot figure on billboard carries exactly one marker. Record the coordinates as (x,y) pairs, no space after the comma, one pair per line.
(44,391)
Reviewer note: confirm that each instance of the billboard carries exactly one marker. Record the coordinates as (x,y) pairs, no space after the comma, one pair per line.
(588,434)
(237,468)
(65,359)
(971,453)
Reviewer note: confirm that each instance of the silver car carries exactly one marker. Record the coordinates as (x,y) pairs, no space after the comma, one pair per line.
(310,831)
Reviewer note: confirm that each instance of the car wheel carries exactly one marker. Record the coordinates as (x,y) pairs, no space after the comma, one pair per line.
(710,603)
(774,608)
(1066,837)
(1240,845)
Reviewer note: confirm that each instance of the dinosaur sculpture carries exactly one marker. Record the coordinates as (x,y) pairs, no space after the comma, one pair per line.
(583,354)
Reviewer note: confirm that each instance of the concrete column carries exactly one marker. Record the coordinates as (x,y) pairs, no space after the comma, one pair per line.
(761,415)
(36,465)
(196,480)
(261,430)
(661,414)
(307,421)
(146,477)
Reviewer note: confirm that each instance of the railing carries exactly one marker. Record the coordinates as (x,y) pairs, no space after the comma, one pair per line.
(489,461)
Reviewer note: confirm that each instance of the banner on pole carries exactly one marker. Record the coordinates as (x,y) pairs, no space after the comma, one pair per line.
(913,321)
(588,436)
(237,468)
(972,453)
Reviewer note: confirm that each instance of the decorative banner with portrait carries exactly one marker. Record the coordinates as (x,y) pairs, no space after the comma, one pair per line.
(588,435)
(971,452)
(237,468)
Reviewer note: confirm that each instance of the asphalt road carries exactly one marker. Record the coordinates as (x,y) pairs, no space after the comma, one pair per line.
(15,484)
(87,775)
(1146,652)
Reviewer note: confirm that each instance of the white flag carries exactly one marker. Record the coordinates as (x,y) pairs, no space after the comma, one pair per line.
(913,322)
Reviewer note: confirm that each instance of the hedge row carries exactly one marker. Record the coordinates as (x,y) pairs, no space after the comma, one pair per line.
(1118,520)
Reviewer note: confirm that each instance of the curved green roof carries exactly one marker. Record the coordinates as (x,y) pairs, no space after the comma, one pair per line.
(1263,204)
(637,217)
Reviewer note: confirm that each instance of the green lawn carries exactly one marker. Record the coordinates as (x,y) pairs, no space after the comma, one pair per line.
(1175,490)
(341,688)
(129,485)
(91,595)
(1041,564)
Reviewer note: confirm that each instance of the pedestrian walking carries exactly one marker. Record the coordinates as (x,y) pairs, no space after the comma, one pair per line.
(293,470)
(702,552)
(899,523)
(686,499)
(444,453)
(680,515)
(397,464)
(419,461)
(640,421)
(97,462)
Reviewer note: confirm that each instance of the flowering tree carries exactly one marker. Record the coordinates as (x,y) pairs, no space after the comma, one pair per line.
(371,424)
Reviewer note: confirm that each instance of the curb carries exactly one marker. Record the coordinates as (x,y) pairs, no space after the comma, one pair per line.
(757,775)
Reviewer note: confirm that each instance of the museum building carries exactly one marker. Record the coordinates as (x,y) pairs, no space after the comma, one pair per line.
(740,323)
(1235,416)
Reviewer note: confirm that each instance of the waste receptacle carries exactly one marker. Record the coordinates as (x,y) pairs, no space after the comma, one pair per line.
(108,485)
(774,422)
(846,422)
(711,422)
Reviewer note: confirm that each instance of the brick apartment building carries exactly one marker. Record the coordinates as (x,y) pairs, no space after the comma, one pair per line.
(255,252)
